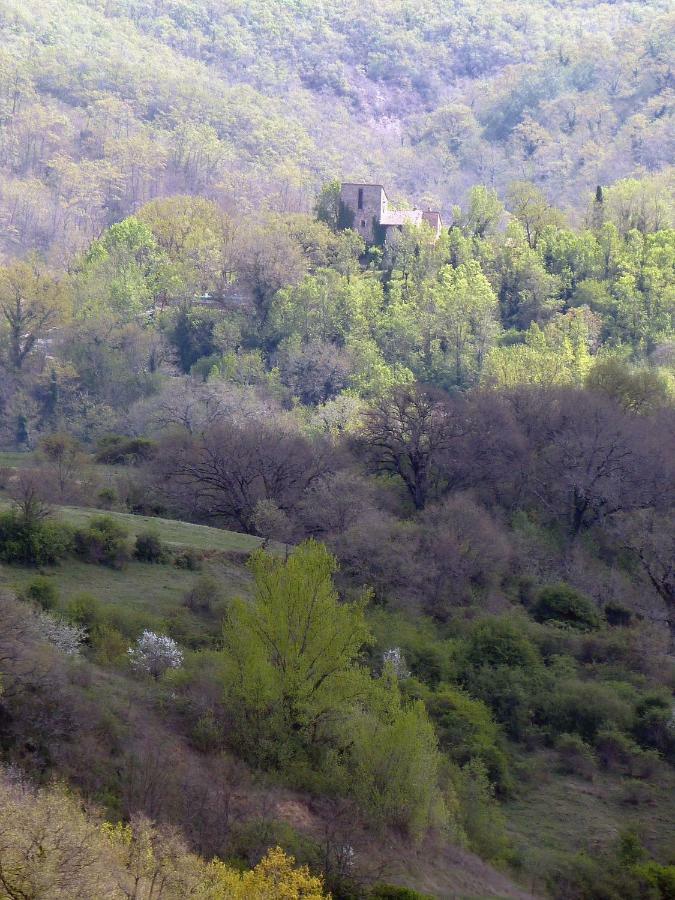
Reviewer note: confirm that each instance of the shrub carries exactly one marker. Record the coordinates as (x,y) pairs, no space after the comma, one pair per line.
(583,708)
(32,542)
(202,594)
(561,603)
(42,591)
(575,756)
(107,498)
(481,817)
(403,794)
(149,547)
(615,750)
(500,642)
(85,610)
(393,892)
(120,450)
(466,730)
(657,876)
(66,638)
(207,734)
(109,644)
(188,559)
(104,542)
(654,724)
(617,615)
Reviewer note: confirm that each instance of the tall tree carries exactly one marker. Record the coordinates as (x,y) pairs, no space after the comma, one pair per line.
(31,302)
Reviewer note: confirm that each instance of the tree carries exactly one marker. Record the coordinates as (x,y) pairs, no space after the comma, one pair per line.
(650,536)
(327,204)
(122,274)
(530,206)
(274,876)
(467,319)
(484,213)
(31,303)
(637,389)
(405,433)
(199,239)
(291,656)
(65,456)
(226,471)
(155,654)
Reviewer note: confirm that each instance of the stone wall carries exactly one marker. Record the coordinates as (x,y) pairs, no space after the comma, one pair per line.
(373,205)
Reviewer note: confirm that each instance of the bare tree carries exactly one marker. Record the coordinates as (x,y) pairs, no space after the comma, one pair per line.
(228,470)
(405,434)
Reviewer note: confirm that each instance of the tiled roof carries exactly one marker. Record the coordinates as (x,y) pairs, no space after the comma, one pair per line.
(401,217)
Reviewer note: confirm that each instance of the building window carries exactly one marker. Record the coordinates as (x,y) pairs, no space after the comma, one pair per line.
(360,198)
(363,223)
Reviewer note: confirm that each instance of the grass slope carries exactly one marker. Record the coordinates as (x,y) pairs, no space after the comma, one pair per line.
(173,533)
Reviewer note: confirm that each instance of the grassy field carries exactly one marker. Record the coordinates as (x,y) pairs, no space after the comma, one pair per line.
(14,459)
(173,533)
(141,595)
(144,595)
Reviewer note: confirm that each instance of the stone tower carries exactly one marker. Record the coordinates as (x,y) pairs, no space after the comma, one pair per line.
(362,207)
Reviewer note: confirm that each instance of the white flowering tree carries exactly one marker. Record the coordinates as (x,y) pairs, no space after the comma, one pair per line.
(155,653)
(65,637)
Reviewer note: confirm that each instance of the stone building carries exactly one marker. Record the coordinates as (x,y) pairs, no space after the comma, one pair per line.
(365,208)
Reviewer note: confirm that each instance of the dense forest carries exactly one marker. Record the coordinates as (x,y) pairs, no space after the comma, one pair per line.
(106,104)
(331,569)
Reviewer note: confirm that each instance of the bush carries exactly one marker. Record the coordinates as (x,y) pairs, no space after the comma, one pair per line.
(188,559)
(617,615)
(561,603)
(42,591)
(575,756)
(393,892)
(202,594)
(583,708)
(120,450)
(500,642)
(654,725)
(466,730)
(33,542)
(149,547)
(104,542)
(615,750)
(657,876)
(207,734)
(109,644)
(107,498)
(85,610)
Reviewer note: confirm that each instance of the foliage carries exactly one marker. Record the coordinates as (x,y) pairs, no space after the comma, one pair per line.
(66,638)
(42,591)
(291,654)
(32,542)
(103,542)
(120,450)
(155,654)
(149,547)
(565,605)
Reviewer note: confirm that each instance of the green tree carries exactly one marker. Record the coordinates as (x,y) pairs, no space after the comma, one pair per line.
(327,205)
(291,655)
(122,273)
(31,303)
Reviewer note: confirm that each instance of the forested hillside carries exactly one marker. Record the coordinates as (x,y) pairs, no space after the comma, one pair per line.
(332,568)
(105,105)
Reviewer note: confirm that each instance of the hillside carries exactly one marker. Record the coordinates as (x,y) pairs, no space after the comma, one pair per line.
(106,105)
(337,535)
